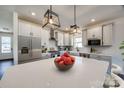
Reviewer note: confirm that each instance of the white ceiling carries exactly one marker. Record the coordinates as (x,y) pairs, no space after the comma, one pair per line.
(84,13)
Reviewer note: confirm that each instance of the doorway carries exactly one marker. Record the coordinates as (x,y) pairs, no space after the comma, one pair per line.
(6,53)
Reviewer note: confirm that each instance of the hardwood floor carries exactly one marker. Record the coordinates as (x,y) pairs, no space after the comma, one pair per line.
(4,64)
(121,76)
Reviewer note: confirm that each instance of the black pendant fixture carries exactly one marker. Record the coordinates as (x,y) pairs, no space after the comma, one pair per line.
(75,28)
(51,19)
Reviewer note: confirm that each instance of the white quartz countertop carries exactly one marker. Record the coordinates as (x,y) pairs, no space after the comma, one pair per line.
(84,73)
(98,54)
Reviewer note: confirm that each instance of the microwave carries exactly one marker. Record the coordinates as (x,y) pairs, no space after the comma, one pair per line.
(94,42)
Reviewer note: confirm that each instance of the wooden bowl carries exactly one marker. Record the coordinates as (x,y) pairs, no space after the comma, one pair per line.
(63,67)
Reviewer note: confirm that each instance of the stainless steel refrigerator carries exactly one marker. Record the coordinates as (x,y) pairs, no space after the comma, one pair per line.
(29,48)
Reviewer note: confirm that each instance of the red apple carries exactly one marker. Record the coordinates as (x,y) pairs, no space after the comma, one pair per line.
(66,54)
(57,60)
(72,59)
(68,61)
(61,63)
(63,58)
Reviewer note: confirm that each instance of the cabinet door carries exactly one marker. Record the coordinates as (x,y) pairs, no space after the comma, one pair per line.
(71,39)
(94,33)
(107,34)
(24,28)
(36,31)
(89,33)
(45,35)
(66,39)
(84,37)
(60,39)
(42,37)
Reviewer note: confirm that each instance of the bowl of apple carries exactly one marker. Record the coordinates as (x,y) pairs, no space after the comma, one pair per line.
(64,62)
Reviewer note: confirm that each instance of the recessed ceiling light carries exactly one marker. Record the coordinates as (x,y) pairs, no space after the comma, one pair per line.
(33,13)
(93,20)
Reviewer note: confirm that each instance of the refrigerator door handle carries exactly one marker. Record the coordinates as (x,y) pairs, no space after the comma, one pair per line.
(30,45)
(31,53)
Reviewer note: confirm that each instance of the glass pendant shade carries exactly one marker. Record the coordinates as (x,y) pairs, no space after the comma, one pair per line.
(74,28)
(51,19)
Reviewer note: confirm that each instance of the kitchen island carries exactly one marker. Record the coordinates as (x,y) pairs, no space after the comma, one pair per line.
(85,73)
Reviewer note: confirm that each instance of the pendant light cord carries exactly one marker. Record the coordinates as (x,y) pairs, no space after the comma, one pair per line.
(50,10)
(50,7)
(74,14)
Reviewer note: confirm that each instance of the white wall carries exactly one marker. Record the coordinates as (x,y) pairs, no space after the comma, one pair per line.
(118,37)
(6,22)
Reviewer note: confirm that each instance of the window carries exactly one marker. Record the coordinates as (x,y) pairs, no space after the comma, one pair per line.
(78,42)
(5,44)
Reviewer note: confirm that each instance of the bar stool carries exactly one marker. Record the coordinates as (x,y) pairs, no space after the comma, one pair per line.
(120,81)
(112,81)
(116,69)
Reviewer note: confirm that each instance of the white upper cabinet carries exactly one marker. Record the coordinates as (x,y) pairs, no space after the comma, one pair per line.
(45,35)
(107,34)
(84,37)
(28,29)
(71,39)
(60,38)
(66,39)
(36,31)
(95,32)
(104,33)
(24,28)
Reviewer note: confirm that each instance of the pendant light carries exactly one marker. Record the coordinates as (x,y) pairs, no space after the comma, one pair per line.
(51,19)
(75,28)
